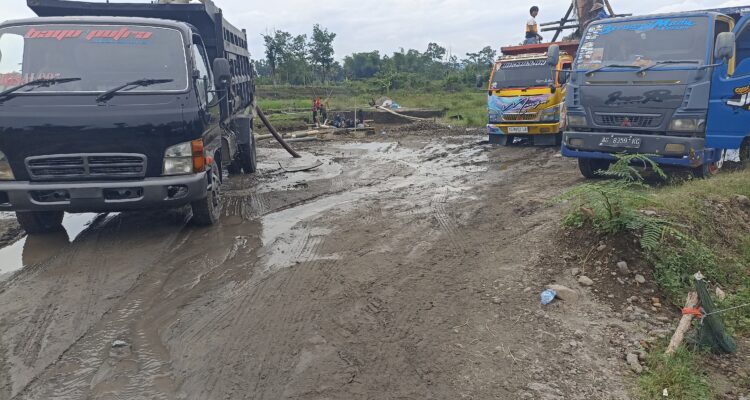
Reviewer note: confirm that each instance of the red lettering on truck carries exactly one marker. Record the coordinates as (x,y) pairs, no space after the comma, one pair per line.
(59,34)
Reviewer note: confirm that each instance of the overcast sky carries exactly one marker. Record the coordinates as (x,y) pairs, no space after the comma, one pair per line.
(388,25)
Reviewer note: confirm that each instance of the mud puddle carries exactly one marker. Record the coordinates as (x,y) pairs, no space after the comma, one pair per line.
(32,250)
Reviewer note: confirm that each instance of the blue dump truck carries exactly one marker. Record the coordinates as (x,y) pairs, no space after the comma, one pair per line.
(675,87)
(121,106)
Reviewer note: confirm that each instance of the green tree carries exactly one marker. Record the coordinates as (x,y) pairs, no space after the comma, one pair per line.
(362,65)
(321,50)
(276,45)
(435,52)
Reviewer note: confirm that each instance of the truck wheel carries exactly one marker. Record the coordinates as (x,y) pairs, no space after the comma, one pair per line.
(206,212)
(745,154)
(248,157)
(705,171)
(38,222)
(590,166)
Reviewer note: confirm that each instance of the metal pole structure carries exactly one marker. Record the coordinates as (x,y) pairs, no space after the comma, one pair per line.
(609,8)
(562,23)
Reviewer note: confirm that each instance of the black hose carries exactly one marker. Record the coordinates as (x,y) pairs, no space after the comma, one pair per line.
(276,134)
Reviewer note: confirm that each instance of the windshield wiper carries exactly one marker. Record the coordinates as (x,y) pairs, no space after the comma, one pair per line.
(658,63)
(132,85)
(6,94)
(595,70)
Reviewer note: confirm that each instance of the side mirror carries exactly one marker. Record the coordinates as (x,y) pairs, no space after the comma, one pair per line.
(553,55)
(724,47)
(222,73)
(479,81)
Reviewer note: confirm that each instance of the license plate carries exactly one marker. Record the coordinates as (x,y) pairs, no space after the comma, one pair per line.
(518,129)
(629,142)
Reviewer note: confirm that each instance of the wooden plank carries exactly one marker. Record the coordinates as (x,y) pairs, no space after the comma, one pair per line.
(685,324)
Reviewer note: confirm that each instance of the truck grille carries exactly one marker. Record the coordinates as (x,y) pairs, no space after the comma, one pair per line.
(627,121)
(520,117)
(86,166)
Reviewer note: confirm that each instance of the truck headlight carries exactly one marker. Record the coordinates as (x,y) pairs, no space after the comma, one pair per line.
(550,115)
(184,158)
(578,121)
(687,125)
(6,174)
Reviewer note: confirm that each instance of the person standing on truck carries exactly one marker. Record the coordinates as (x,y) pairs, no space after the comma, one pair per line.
(532,28)
(601,13)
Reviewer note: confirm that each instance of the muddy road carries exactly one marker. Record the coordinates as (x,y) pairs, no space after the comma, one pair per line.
(406,266)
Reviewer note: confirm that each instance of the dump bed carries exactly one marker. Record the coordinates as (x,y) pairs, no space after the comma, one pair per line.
(541,48)
(220,37)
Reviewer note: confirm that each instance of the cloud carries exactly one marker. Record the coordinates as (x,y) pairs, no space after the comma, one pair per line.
(387,25)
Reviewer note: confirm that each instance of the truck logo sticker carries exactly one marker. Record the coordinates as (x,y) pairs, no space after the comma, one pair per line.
(504,105)
(58,34)
(654,96)
(522,64)
(655,25)
(741,98)
(96,35)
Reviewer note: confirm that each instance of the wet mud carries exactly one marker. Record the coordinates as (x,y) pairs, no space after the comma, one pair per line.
(397,269)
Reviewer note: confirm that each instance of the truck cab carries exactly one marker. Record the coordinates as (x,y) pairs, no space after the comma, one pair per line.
(104,110)
(672,86)
(525,100)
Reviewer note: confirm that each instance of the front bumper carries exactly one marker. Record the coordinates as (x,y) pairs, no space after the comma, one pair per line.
(110,196)
(589,146)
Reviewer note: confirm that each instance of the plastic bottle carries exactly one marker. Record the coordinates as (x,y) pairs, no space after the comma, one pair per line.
(548,296)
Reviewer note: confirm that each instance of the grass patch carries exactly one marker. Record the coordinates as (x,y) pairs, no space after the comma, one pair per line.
(696,226)
(679,374)
(695,229)
(470,105)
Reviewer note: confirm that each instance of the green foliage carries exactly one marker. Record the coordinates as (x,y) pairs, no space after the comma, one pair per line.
(321,50)
(680,374)
(611,205)
(737,321)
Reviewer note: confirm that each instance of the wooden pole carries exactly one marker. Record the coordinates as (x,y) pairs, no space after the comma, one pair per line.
(685,323)
(562,22)
(609,8)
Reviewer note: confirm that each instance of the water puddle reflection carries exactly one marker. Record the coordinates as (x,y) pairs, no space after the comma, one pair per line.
(36,249)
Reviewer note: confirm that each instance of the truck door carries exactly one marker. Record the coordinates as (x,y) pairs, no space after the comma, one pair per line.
(729,102)
(204,82)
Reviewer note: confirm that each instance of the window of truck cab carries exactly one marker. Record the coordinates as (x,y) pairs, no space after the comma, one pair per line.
(642,42)
(102,56)
(521,74)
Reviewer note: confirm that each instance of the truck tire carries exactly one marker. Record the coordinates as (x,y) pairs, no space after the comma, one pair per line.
(207,211)
(590,166)
(39,222)
(248,156)
(705,171)
(745,154)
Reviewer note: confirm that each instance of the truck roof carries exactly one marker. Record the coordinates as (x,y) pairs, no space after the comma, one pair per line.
(217,33)
(570,47)
(734,12)
(98,20)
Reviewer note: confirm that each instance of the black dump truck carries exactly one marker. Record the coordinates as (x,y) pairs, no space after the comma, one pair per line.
(109,107)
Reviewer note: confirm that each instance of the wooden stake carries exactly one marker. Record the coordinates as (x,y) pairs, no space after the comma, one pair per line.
(684,326)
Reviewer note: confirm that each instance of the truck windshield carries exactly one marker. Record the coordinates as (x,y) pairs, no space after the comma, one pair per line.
(102,56)
(521,74)
(645,42)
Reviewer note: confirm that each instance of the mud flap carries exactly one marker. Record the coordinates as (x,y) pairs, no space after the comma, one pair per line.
(244,128)
(544,140)
(501,140)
